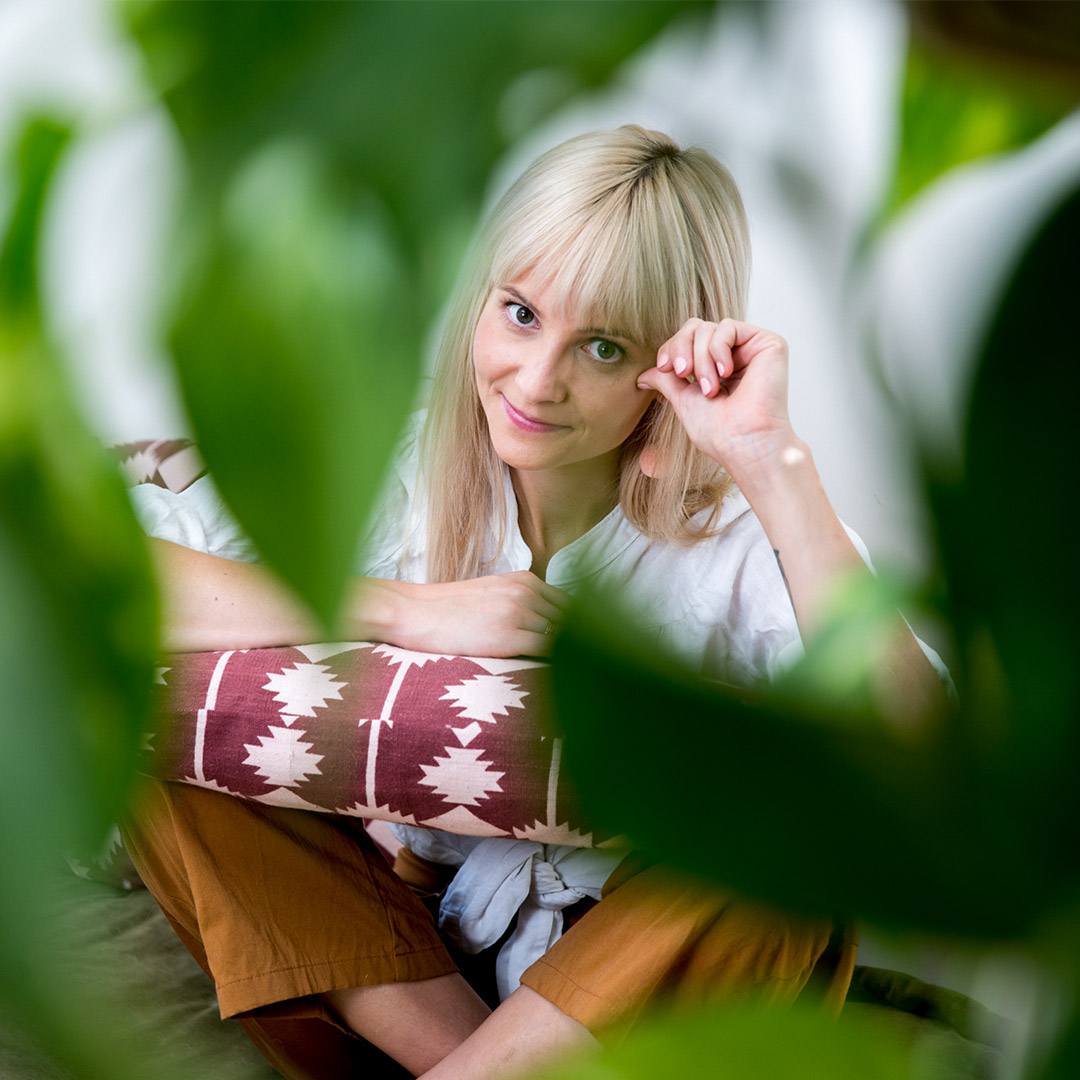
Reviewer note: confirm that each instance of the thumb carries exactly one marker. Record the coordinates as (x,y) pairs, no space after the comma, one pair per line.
(663,382)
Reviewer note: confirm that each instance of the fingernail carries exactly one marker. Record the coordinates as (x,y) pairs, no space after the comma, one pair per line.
(706,386)
(681,364)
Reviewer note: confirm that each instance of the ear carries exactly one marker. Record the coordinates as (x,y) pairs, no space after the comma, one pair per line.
(650,464)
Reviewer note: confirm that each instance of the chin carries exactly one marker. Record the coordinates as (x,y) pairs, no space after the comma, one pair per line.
(519,457)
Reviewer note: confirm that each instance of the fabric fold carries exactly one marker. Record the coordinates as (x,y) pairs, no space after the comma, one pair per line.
(499,879)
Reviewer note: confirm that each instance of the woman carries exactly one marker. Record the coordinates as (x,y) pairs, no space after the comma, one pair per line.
(596,394)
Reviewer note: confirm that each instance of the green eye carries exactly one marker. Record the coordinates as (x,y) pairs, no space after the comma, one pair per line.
(607,352)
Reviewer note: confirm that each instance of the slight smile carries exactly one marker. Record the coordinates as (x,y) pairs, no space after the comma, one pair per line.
(525,422)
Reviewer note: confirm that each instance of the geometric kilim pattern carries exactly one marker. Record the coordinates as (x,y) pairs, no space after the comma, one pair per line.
(360,728)
(170,463)
(370,730)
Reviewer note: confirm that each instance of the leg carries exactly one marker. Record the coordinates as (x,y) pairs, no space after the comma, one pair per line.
(281,906)
(654,936)
(658,935)
(445,1009)
(524,1032)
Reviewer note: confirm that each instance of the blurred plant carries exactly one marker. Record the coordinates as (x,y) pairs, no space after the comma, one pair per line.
(802,795)
(76,656)
(335,153)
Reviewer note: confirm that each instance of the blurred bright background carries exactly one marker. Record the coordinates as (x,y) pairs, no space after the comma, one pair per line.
(800,100)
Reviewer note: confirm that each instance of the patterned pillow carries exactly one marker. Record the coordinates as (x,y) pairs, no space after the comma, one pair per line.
(359,728)
(367,729)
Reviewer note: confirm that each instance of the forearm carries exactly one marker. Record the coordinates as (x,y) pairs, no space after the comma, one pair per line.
(814,551)
(210,603)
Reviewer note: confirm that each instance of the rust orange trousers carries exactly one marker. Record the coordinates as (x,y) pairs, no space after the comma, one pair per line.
(279,905)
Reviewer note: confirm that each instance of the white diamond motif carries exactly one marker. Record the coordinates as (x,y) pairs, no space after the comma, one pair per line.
(282,759)
(302,689)
(461,777)
(482,696)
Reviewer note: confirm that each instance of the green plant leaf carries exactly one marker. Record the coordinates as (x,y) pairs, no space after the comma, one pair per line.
(295,339)
(76,655)
(406,99)
(809,803)
(1011,583)
(70,529)
(744,1042)
(955,110)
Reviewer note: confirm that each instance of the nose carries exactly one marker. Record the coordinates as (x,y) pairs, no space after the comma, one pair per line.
(541,378)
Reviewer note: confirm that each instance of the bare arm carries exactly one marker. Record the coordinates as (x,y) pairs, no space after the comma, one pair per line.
(211,603)
(813,548)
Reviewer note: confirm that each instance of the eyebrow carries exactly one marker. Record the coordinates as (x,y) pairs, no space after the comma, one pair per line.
(598,330)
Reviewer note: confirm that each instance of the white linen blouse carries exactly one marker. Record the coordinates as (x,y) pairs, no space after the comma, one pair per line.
(721,605)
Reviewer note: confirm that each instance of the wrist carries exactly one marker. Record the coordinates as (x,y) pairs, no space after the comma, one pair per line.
(773,466)
(377,610)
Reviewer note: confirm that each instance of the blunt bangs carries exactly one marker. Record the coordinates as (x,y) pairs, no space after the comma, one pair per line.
(625,263)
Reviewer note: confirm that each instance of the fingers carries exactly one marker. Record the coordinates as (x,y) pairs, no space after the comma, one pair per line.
(536,622)
(701,352)
(556,597)
(533,645)
(543,611)
(704,365)
(536,633)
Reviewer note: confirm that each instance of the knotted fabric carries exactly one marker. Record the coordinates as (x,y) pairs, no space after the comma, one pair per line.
(500,878)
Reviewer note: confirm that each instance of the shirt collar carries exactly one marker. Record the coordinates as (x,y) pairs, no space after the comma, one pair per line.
(581,558)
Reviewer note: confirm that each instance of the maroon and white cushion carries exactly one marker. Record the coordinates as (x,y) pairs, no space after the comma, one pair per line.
(367,729)
(360,728)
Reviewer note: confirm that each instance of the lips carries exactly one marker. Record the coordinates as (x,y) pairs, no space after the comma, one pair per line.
(523,420)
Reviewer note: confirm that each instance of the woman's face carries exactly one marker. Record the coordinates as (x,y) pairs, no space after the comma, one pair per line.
(579,381)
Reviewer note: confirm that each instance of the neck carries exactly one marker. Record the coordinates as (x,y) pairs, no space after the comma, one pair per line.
(556,506)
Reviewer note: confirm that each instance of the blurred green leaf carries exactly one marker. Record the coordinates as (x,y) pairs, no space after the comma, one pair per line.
(70,530)
(1003,525)
(35,156)
(296,339)
(973,831)
(802,802)
(747,1042)
(76,655)
(1063,1060)
(406,98)
(839,664)
(954,110)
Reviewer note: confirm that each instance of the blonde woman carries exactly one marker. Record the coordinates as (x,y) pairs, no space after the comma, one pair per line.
(597,393)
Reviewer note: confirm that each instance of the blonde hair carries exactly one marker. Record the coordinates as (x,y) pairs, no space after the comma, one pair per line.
(640,233)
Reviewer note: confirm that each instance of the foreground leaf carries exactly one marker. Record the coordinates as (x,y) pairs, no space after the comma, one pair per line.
(741,1042)
(76,653)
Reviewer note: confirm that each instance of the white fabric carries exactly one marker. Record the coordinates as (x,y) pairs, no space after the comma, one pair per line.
(721,605)
(498,878)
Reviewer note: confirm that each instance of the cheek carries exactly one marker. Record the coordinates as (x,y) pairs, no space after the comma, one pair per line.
(482,351)
(617,411)
(637,405)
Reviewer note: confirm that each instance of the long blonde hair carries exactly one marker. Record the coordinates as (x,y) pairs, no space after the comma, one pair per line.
(640,233)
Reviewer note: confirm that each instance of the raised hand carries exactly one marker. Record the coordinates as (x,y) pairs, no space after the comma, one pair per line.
(728,384)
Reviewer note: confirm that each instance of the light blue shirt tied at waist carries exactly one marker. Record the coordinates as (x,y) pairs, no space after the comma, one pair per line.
(500,878)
